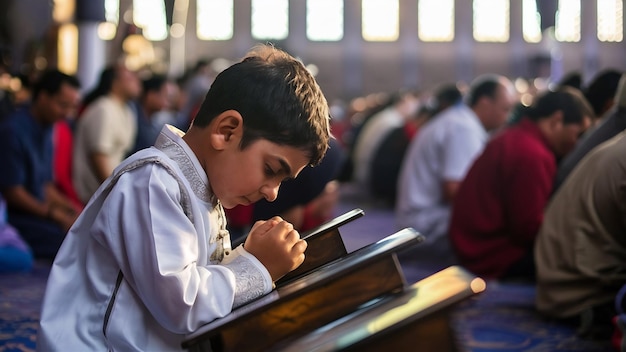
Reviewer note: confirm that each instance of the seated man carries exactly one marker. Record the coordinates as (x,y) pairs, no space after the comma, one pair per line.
(611,124)
(437,160)
(580,251)
(41,214)
(106,130)
(499,207)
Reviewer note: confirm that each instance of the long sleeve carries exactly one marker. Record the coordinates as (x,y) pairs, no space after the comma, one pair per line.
(163,255)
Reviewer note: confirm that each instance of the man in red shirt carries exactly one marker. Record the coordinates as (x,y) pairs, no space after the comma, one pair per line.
(500,204)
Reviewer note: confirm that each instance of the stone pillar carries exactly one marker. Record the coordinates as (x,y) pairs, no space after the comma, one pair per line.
(464,40)
(91,49)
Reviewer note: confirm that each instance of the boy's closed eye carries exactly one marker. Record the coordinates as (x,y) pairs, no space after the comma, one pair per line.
(269,172)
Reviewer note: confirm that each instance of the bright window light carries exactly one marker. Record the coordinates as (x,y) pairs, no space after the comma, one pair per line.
(610,20)
(270,19)
(435,20)
(63,10)
(324,20)
(67,47)
(381,20)
(531,21)
(112,11)
(568,21)
(214,19)
(491,20)
(149,15)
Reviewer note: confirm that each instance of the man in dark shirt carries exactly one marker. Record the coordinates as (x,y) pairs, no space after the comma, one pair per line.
(499,207)
(36,208)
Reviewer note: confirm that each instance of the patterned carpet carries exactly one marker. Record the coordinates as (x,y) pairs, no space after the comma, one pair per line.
(19,308)
(500,319)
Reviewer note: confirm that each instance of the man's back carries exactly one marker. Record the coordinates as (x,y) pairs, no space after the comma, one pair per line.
(499,206)
(442,150)
(108,127)
(580,252)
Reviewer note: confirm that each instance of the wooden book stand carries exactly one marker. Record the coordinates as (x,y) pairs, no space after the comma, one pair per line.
(321,296)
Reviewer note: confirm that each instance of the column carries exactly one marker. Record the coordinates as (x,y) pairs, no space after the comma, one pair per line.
(353,39)
(519,57)
(464,40)
(589,39)
(91,49)
(409,43)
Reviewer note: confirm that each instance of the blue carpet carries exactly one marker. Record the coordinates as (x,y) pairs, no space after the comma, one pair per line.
(21,296)
(500,319)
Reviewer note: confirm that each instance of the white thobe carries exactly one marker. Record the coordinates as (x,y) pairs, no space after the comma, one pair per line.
(142,266)
(442,150)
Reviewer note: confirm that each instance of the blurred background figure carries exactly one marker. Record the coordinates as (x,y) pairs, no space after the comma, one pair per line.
(151,111)
(196,86)
(437,160)
(15,254)
(580,250)
(499,206)
(612,123)
(401,107)
(387,158)
(40,213)
(106,130)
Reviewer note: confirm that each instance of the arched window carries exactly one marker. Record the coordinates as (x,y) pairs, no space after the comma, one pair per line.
(214,19)
(270,19)
(568,21)
(531,21)
(381,20)
(149,15)
(610,20)
(435,20)
(324,20)
(491,20)
(112,11)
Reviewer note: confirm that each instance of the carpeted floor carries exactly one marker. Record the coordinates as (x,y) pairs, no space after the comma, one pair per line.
(20,300)
(500,319)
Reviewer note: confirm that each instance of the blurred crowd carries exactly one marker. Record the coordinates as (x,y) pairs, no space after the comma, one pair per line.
(514,179)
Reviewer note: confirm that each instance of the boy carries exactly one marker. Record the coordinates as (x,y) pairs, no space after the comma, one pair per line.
(149,259)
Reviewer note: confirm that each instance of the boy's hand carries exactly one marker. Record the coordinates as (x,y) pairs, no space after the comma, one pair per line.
(276,245)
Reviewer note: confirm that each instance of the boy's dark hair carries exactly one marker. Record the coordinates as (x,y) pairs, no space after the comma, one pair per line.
(278,99)
(51,81)
(483,86)
(567,99)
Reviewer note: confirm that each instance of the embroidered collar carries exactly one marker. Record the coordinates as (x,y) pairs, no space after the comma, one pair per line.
(171,143)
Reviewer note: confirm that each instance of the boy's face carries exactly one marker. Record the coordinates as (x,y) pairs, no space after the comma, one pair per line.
(246,176)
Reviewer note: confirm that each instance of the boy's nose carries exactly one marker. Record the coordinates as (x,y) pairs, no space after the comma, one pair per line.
(270,192)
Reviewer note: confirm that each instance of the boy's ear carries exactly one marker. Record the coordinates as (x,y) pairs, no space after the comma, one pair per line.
(226,128)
